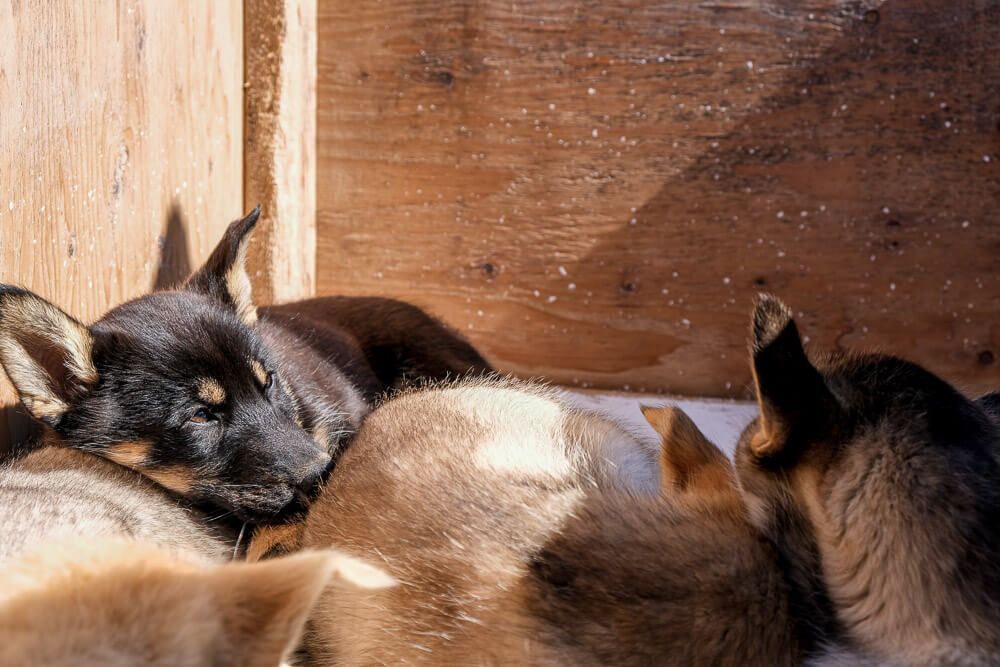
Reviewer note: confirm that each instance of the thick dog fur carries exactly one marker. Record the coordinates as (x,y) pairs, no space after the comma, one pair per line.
(123,603)
(225,405)
(880,484)
(518,541)
(57,493)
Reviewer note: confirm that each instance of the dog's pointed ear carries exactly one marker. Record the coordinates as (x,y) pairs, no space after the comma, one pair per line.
(687,457)
(47,354)
(265,605)
(224,275)
(793,397)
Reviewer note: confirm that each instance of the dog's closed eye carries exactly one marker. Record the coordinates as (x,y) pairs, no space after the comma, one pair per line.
(202,416)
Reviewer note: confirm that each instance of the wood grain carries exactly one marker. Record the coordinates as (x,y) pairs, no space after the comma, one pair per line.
(594,191)
(120,145)
(280,151)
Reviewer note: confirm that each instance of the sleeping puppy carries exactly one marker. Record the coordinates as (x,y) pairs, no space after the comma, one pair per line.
(880,485)
(519,534)
(124,603)
(58,493)
(230,407)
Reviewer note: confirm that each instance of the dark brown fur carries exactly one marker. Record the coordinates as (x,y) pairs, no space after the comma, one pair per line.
(880,484)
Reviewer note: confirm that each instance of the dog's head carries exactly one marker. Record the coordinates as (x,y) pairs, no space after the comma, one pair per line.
(177,385)
(870,470)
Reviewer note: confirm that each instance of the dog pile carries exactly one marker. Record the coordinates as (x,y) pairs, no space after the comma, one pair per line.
(215,485)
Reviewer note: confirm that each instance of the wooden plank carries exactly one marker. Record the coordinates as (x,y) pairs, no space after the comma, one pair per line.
(120,144)
(280,157)
(594,191)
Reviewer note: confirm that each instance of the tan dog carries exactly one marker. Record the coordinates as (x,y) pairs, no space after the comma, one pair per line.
(124,603)
(880,484)
(516,542)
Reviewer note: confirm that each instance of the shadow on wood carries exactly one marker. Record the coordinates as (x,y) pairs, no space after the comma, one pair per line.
(594,193)
(174,265)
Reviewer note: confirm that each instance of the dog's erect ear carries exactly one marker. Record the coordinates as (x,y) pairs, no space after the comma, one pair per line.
(793,397)
(47,354)
(265,605)
(687,458)
(224,275)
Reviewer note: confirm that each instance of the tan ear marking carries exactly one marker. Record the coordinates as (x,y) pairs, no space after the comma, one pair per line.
(239,287)
(258,371)
(211,391)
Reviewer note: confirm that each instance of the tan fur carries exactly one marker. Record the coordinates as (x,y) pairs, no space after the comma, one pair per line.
(55,492)
(505,521)
(135,455)
(176,478)
(238,285)
(211,391)
(258,371)
(274,540)
(124,603)
(690,465)
(129,454)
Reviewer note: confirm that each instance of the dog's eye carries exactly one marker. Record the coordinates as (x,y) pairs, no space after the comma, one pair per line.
(202,416)
(269,381)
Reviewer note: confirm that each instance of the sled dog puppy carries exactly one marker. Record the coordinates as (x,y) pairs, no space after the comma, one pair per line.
(880,484)
(124,603)
(517,536)
(222,403)
(55,493)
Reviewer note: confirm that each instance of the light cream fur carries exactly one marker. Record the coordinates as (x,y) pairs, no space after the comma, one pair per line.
(56,492)
(118,603)
(238,284)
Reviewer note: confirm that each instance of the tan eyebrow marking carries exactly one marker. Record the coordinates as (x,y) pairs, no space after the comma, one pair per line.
(210,390)
(258,371)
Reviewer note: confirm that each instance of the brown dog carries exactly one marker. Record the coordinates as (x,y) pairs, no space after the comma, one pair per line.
(122,603)
(880,484)
(509,522)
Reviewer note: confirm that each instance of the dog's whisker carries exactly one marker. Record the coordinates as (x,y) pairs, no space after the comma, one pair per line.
(239,540)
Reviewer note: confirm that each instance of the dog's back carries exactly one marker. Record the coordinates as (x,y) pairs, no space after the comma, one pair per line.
(516,540)
(55,492)
(124,603)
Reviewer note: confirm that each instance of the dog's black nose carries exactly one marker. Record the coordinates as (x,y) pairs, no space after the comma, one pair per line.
(309,485)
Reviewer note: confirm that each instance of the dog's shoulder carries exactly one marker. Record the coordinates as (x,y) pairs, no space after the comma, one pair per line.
(54,491)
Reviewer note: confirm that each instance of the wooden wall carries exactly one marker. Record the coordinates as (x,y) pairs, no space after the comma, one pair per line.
(594,191)
(121,130)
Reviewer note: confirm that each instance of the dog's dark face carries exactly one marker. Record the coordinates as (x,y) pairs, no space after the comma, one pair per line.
(177,385)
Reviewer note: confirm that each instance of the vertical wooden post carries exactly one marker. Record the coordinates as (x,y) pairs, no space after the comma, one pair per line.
(280,152)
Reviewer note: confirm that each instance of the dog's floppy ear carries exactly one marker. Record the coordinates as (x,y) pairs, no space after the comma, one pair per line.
(47,354)
(224,275)
(793,397)
(265,605)
(688,459)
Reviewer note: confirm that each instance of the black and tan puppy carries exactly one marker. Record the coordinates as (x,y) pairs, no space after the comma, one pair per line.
(880,484)
(198,391)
